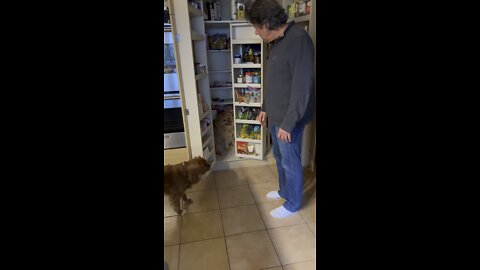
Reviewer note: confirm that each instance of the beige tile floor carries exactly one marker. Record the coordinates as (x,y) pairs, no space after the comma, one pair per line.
(228,226)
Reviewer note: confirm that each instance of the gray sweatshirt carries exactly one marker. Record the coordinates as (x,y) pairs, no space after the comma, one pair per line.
(288,97)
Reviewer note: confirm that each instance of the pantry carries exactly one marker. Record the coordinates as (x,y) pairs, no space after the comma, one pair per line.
(219,62)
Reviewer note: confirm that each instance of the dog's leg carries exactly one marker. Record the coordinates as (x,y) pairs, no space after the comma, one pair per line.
(175,200)
(184,197)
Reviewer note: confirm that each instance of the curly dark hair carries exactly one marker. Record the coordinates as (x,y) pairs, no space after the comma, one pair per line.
(265,12)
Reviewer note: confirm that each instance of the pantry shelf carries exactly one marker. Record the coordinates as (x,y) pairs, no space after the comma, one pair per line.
(219,71)
(248,104)
(209,155)
(193,77)
(243,121)
(243,39)
(249,140)
(224,22)
(249,156)
(206,130)
(204,115)
(249,65)
(217,51)
(245,85)
(246,41)
(207,141)
(220,87)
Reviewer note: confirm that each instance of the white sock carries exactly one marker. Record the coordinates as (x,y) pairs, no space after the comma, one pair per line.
(273,195)
(281,212)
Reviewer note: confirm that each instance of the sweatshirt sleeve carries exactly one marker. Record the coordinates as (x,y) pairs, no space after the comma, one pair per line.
(301,65)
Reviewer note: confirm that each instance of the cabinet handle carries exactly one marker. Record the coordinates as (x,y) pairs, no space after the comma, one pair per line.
(171,97)
(166,136)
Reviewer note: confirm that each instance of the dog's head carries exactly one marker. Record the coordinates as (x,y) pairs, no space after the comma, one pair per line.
(198,166)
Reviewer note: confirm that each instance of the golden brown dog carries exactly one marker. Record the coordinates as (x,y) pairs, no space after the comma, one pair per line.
(180,177)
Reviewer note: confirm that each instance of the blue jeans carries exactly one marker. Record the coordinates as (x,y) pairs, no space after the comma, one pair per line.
(289,166)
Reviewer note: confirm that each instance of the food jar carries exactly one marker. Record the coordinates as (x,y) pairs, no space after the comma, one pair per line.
(256,77)
(237,59)
(240,11)
(248,77)
(302,8)
(240,78)
(251,148)
(257,57)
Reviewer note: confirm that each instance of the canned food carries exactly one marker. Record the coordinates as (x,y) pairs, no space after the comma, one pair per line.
(237,59)
(257,56)
(256,77)
(248,77)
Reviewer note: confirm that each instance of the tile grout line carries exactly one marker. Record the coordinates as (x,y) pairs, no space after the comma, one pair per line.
(237,234)
(300,262)
(221,219)
(256,203)
(261,218)
(180,242)
(221,216)
(268,233)
(312,230)
(206,239)
(268,229)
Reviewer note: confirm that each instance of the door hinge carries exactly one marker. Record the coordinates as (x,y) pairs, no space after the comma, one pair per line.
(186,112)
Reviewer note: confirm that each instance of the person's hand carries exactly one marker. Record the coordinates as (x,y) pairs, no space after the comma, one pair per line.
(262,117)
(283,135)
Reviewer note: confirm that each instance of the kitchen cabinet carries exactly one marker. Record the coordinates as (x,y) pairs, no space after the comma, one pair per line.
(250,136)
(191,40)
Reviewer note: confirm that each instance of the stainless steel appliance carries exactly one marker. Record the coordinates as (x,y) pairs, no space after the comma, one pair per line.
(173,129)
(174,132)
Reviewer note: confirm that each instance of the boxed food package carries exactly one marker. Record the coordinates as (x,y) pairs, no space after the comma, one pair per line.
(242,148)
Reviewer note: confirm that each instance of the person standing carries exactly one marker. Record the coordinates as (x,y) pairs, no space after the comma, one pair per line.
(289,101)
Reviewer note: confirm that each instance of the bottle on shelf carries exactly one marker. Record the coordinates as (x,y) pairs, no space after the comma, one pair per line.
(240,11)
(234,9)
(209,12)
(217,11)
(257,56)
(240,78)
(301,8)
(237,59)
(291,10)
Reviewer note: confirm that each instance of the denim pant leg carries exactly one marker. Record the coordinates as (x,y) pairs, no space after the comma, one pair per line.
(278,160)
(291,167)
